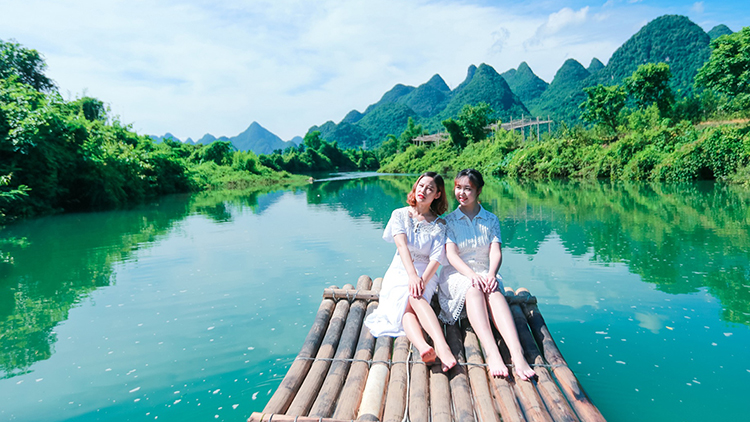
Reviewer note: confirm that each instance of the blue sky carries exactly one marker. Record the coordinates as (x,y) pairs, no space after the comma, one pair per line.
(196,67)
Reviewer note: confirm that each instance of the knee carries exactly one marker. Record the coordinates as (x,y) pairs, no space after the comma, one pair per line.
(474,294)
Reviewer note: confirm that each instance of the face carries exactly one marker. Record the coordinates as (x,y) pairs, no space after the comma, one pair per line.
(426,190)
(466,193)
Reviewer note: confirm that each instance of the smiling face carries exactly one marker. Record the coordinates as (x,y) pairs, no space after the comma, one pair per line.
(466,193)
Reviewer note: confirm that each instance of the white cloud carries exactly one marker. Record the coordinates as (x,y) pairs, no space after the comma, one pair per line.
(191,67)
(698,7)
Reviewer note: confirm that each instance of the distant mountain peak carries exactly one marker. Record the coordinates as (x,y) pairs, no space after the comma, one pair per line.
(595,65)
(437,82)
(718,31)
(571,71)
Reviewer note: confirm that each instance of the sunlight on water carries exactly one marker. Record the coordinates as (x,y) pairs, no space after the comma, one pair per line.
(193,308)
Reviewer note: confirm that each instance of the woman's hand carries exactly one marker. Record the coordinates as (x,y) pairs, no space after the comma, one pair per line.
(490,283)
(416,286)
(476,281)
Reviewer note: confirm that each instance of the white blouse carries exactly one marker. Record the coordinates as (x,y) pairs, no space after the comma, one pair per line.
(425,239)
(473,237)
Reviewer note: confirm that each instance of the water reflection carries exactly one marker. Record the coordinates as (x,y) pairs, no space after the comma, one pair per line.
(51,264)
(679,238)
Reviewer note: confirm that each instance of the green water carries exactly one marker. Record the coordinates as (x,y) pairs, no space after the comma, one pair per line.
(192,308)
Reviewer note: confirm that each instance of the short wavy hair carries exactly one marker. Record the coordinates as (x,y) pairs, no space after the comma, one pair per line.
(439,205)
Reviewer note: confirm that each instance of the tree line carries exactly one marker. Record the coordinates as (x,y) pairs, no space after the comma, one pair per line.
(73,155)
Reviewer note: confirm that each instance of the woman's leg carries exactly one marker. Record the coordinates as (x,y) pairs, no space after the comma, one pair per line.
(430,323)
(504,322)
(414,333)
(476,309)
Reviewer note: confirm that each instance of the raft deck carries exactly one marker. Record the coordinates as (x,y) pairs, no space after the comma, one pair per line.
(342,373)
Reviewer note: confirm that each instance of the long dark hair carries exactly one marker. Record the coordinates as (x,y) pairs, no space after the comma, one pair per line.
(440,204)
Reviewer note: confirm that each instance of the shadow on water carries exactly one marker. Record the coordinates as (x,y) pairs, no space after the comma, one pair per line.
(681,238)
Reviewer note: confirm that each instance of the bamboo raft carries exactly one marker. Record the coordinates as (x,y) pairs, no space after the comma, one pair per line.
(342,373)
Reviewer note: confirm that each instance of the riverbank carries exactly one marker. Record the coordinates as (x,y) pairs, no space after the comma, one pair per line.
(649,148)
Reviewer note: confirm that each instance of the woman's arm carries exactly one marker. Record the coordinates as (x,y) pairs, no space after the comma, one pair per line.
(451,251)
(496,260)
(416,283)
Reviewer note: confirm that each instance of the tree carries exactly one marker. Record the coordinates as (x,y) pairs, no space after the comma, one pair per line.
(474,121)
(412,131)
(649,84)
(470,125)
(27,65)
(603,105)
(220,152)
(456,133)
(728,69)
(312,140)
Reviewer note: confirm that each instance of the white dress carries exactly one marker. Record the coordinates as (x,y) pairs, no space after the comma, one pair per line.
(426,242)
(473,238)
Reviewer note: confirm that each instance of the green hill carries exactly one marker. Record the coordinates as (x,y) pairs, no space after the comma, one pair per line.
(429,98)
(672,39)
(595,65)
(561,99)
(429,104)
(718,31)
(484,85)
(525,84)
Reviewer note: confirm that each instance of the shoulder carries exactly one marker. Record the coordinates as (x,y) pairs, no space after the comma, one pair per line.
(440,221)
(452,217)
(400,212)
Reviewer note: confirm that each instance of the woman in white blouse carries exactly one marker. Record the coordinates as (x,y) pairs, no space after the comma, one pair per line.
(410,281)
(471,280)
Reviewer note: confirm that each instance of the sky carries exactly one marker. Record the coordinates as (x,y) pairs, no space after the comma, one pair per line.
(194,67)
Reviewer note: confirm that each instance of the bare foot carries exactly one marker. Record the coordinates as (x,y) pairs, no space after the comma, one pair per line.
(496,365)
(446,358)
(523,370)
(428,355)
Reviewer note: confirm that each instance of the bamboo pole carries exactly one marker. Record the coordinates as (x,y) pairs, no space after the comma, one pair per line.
(372,397)
(569,384)
(554,400)
(310,387)
(463,410)
(395,403)
(296,374)
(351,394)
(485,407)
(505,400)
(528,397)
(273,417)
(324,404)
(350,294)
(440,395)
(504,392)
(419,394)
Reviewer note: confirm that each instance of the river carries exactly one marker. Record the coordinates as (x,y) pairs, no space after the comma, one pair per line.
(193,307)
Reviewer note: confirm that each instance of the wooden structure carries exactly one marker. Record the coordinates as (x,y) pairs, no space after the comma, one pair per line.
(523,123)
(342,373)
(436,139)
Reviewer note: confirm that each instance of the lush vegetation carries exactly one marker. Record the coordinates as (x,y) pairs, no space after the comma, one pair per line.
(58,155)
(637,131)
(318,155)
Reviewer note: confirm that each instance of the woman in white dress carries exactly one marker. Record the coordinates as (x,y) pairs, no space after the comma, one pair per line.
(471,280)
(410,281)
